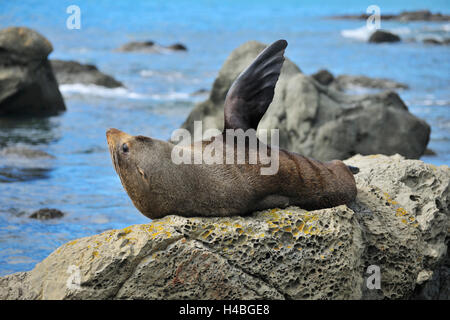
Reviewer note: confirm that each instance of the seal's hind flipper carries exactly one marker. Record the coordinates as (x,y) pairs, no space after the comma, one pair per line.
(252,92)
(354,170)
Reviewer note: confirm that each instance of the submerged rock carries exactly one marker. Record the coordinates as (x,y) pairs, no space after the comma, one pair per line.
(70,72)
(137,46)
(24,163)
(27,84)
(383,36)
(398,223)
(25,152)
(150,47)
(318,121)
(177,47)
(46,214)
(436,41)
(16,173)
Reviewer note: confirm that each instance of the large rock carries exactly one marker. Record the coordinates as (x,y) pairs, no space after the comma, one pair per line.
(27,84)
(419,194)
(70,72)
(318,121)
(399,223)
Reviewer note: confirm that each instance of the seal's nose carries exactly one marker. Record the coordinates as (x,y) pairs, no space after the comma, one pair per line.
(114,136)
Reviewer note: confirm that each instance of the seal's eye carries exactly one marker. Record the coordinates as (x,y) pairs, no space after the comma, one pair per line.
(125,148)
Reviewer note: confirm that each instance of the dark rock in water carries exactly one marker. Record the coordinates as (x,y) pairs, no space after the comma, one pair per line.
(21,163)
(317,121)
(177,47)
(419,15)
(68,72)
(429,152)
(138,46)
(383,36)
(27,84)
(149,47)
(25,152)
(324,77)
(46,214)
(10,174)
(431,41)
(436,41)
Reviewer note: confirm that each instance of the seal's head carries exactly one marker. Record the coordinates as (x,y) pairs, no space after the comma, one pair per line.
(136,159)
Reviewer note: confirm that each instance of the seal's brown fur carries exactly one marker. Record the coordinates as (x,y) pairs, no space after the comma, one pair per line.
(159,187)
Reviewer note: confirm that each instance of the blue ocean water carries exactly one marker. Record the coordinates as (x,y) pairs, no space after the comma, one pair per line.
(79,178)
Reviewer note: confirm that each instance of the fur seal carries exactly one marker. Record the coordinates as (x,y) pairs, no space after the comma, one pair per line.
(159,187)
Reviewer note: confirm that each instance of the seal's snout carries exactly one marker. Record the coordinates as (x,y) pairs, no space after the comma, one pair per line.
(115,137)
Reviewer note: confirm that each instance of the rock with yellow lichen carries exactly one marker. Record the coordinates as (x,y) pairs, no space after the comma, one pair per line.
(398,223)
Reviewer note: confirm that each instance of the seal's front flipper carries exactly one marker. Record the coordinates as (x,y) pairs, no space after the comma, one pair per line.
(252,92)
(354,170)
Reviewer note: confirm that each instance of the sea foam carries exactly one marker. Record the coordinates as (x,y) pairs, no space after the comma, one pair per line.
(363,33)
(77,89)
(99,91)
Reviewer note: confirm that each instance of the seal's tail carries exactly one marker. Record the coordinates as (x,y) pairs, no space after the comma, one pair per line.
(354,170)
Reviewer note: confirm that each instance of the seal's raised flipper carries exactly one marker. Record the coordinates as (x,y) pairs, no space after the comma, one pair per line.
(252,92)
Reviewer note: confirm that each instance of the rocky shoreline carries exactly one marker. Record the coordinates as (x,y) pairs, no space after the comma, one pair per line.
(399,223)
(318,121)
(419,15)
